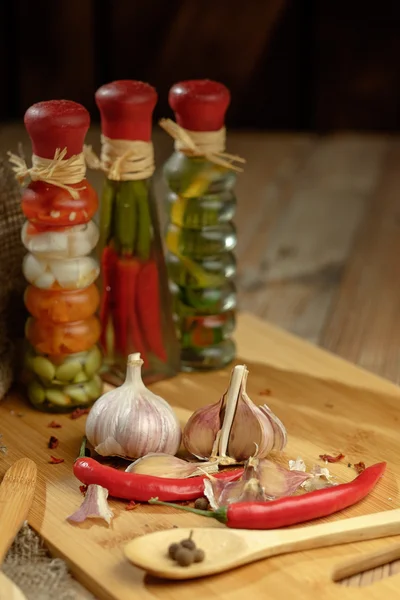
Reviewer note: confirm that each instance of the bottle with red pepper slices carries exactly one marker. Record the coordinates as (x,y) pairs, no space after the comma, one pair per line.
(62,360)
(135,310)
(201,236)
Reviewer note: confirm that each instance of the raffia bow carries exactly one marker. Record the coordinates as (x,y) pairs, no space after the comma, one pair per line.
(56,171)
(122,160)
(210,144)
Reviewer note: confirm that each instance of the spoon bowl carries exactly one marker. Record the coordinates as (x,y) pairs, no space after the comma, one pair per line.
(227,549)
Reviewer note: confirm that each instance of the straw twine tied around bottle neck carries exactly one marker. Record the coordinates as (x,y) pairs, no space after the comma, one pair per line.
(122,160)
(207,144)
(56,171)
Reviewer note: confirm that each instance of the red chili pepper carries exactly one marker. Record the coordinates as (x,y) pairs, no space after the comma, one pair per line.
(109,258)
(133,292)
(127,325)
(149,309)
(135,486)
(54,425)
(293,509)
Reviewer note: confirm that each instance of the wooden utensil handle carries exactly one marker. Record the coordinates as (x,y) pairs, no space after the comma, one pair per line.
(16,494)
(366,527)
(358,564)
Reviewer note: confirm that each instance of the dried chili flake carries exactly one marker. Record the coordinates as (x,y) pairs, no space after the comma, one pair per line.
(79,412)
(359,467)
(55,461)
(83,489)
(132,505)
(331,459)
(53,442)
(54,425)
(265,392)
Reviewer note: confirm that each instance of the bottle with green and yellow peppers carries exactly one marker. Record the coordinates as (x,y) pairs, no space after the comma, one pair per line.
(135,308)
(201,236)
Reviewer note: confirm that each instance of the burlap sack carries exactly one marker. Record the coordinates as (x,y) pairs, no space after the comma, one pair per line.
(12,311)
(40,576)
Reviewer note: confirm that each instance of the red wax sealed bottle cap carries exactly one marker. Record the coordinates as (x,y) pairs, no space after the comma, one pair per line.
(57,124)
(199,104)
(126,109)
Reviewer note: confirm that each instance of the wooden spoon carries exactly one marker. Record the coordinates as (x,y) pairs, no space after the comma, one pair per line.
(16,494)
(229,548)
(363,562)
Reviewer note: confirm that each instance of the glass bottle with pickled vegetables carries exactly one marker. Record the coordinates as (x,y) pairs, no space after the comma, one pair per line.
(135,308)
(62,359)
(201,236)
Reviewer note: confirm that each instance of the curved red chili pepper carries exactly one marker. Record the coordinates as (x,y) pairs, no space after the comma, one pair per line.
(149,309)
(294,509)
(135,486)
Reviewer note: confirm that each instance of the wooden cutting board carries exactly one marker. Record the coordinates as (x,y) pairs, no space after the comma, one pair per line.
(327,405)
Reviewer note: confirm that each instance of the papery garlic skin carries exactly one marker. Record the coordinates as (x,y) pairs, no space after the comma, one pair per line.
(94,506)
(130,421)
(159,464)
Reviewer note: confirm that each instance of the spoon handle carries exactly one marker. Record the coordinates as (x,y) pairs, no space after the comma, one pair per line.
(356,529)
(16,495)
(360,563)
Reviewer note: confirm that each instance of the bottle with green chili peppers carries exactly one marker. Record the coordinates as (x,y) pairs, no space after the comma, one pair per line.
(201,236)
(135,308)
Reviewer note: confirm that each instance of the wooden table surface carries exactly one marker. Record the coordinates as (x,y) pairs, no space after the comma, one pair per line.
(318,223)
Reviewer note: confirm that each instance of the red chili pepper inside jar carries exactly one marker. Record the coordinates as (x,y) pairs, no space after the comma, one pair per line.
(135,310)
(62,361)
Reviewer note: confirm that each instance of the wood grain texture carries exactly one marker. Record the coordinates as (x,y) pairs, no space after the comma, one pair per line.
(316,394)
(299,247)
(363,325)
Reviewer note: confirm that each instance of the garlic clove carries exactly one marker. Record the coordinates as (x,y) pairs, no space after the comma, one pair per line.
(94,506)
(259,437)
(278,481)
(202,429)
(280,433)
(166,465)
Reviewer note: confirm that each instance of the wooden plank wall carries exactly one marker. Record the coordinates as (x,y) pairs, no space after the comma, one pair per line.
(290,65)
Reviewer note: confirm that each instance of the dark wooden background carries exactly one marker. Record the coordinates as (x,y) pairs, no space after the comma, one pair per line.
(291,64)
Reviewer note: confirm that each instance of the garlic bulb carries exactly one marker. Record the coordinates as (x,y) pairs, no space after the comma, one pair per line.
(234,429)
(130,421)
